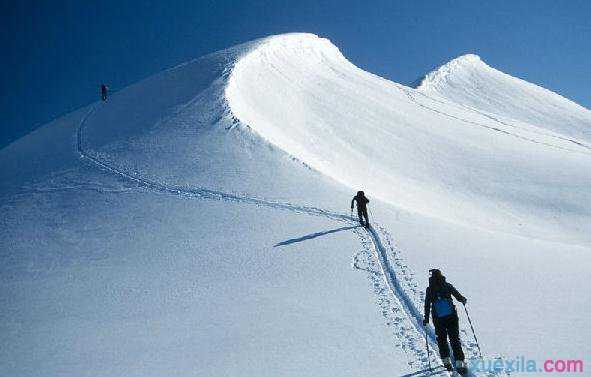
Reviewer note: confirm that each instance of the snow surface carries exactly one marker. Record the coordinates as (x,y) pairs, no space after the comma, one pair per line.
(469,81)
(427,156)
(197,223)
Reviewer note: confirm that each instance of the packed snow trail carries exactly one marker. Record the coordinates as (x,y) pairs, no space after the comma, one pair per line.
(377,249)
(195,192)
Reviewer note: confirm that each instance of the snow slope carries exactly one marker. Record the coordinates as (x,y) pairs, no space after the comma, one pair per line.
(196,223)
(426,156)
(469,81)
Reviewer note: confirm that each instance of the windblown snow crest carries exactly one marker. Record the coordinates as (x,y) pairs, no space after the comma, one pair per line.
(471,145)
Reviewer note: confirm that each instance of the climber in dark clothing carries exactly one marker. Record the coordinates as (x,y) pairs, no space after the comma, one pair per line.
(361,208)
(445,318)
(104,91)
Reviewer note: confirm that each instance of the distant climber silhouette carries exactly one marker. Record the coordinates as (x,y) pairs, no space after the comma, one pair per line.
(104,92)
(361,208)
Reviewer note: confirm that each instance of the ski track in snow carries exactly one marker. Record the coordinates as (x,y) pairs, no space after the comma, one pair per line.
(398,296)
(413,98)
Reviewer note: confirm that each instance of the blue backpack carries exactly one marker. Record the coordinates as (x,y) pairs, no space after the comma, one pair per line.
(442,306)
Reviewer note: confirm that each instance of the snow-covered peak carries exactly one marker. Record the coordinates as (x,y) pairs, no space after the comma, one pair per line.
(467,58)
(296,41)
(204,122)
(299,46)
(468,81)
(300,94)
(463,62)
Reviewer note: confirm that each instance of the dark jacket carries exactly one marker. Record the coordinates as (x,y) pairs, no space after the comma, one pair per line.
(443,289)
(361,201)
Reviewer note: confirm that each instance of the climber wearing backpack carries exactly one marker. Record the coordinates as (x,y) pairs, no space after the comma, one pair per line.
(361,208)
(445,318)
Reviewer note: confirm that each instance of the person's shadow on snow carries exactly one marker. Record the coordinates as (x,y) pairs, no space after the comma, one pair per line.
(314,235)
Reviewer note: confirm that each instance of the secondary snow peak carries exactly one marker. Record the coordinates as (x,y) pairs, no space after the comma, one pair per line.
(470,82)
(441,74)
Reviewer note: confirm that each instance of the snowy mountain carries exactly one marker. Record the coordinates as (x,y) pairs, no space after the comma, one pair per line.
(197,223)
(469,81)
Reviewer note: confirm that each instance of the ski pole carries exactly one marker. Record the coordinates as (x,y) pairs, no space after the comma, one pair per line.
(428,352)
(473,333)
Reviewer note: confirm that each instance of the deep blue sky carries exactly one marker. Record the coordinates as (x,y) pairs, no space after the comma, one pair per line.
(55,53)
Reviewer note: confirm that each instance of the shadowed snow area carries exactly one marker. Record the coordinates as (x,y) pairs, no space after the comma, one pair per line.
(197,223)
